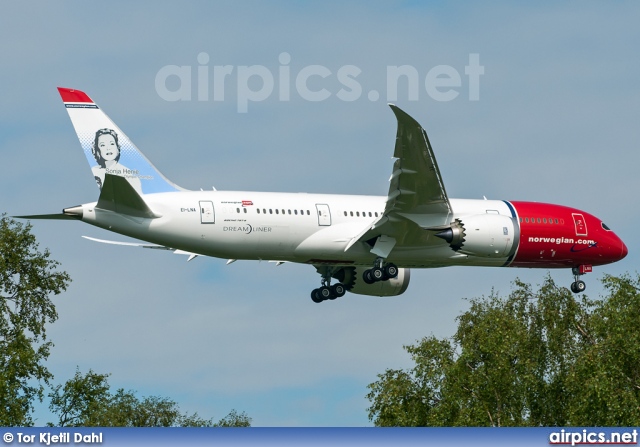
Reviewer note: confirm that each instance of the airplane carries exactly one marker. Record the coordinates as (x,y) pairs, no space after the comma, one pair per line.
(362,244)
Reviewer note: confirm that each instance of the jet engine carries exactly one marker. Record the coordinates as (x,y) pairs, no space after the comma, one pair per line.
(351,277)
(483,235)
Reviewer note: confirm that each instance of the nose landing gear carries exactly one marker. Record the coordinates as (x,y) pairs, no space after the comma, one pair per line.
(578,285)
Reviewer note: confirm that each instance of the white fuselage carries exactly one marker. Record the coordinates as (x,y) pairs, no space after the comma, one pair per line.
(295,227)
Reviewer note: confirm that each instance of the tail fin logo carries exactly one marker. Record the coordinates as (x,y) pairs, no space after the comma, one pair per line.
(108,149)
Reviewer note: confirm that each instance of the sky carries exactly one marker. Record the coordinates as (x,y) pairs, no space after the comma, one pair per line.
(552,118)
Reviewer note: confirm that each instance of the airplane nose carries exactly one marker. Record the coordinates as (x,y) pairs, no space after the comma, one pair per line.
(623,250)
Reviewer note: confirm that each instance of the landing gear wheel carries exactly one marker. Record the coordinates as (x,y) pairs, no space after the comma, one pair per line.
(325,292)
(391,271)
(578,286)
(315,296)
(338,290)
(377,274)
(366,276)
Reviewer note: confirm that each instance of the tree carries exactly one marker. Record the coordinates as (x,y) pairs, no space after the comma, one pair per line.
(606,378)
(533,358)
(79,398)
(86,400)
(28,278)
(234,419)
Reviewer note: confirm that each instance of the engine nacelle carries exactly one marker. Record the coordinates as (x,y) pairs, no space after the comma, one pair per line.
(352,279)
(484,235)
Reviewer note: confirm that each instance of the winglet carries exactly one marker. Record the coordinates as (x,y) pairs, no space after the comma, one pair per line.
(119,196)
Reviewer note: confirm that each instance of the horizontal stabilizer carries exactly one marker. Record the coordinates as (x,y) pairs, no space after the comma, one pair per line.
(58,216)
(119,196)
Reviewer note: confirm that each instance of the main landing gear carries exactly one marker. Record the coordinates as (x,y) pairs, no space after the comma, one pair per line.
(578,285)
(327,292)
(380,272)
(347,277)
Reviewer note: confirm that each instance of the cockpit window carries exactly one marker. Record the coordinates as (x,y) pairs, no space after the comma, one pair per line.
(605,226)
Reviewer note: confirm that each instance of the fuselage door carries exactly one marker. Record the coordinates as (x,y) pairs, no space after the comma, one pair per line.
(324,215)
(580,223)
(207,214)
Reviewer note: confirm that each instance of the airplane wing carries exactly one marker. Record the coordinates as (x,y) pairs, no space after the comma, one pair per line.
(417,199)
(416,187)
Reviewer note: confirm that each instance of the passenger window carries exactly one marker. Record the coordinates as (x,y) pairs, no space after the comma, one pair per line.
(288,211)
(258,210)
(277,211)
(357,213)
(556,221)
(270,211)
(345,213)
(544,220)
(351,213)
(376,214)
(308,213)
(245,211)
(538,220)
(295,212)
(369,213)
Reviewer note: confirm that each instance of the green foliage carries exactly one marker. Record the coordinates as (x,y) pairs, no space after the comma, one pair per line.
(28,278)
(79,398)
(606,378)
(86,401)
(234,419)
(543,358)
